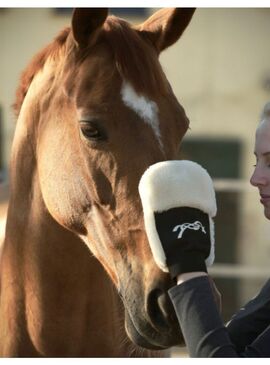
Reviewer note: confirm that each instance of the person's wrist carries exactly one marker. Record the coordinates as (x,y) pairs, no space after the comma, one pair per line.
(182,278)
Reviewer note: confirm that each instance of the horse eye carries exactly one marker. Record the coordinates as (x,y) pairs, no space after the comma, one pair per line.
(92,131)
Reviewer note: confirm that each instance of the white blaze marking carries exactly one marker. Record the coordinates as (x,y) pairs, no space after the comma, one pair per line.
(145,108)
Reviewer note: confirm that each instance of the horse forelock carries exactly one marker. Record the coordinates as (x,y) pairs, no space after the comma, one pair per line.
(135,59)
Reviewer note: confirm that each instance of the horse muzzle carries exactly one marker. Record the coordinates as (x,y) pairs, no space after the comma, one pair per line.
(152,323)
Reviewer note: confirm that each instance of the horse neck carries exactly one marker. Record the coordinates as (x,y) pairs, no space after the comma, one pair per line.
(53,271)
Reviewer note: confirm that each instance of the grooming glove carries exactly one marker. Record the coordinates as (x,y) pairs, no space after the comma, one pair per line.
(179,204)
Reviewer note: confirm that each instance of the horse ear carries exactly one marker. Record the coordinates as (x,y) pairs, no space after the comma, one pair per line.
(86,23)
(166,26)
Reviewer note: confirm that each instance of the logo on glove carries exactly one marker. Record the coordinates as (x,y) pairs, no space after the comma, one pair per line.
(194,226)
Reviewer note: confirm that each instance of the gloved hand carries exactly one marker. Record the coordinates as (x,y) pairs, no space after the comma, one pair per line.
(179,203)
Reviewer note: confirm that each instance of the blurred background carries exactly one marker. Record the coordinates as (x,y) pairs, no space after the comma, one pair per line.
(220,72)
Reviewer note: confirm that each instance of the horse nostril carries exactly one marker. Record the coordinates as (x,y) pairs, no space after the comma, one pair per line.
(159,309)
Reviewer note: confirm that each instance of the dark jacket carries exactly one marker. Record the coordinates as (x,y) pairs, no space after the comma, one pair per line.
(246,335)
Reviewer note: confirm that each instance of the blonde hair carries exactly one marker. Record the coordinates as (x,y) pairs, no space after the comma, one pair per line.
(266,112)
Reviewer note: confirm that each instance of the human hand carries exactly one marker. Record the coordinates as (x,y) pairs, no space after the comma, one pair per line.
(179,202)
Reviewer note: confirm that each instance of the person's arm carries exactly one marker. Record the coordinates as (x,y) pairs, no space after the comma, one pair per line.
(199,319)
(201,324)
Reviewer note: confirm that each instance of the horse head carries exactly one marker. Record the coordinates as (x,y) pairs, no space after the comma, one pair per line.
(104,113)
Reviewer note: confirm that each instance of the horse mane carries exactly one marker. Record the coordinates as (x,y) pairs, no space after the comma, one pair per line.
(35,65)
(132,58)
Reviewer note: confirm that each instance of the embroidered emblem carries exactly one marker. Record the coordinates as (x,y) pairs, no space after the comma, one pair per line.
(194,226)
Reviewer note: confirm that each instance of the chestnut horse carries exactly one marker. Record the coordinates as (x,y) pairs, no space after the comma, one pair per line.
(94,111)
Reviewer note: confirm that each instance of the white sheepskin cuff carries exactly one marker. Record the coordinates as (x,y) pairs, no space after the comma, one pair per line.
(169,184)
